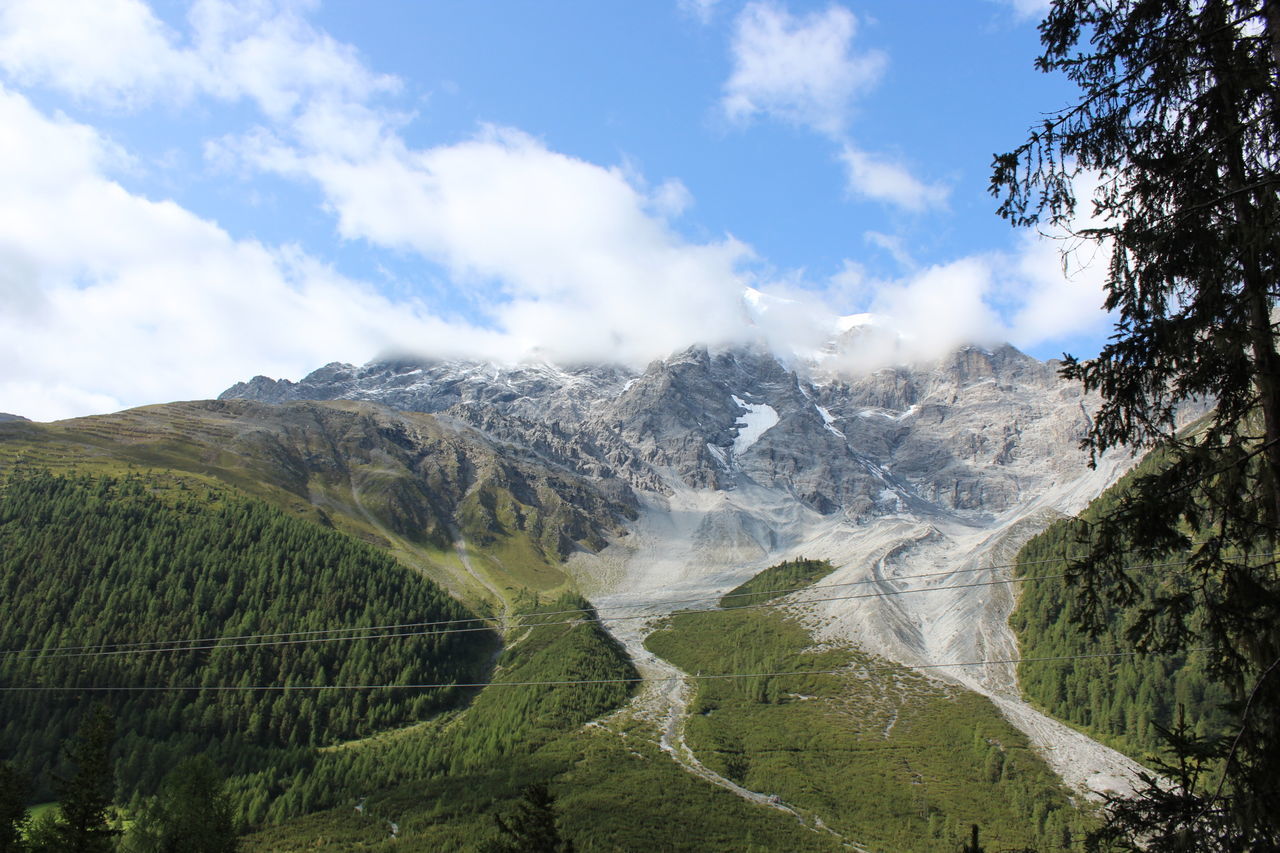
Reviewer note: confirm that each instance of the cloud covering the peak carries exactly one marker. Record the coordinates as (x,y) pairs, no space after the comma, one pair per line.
(117,296)
(566,257)
(113,299)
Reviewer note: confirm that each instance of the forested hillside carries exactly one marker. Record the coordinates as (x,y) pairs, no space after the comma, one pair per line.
(440,782)
(437,495)
(193,596)
(1120,699)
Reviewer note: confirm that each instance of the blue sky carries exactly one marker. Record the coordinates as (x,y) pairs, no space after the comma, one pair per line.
(194,193)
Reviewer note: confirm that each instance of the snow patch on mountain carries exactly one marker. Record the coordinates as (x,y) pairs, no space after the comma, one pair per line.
(859,321)
(759,419)
(829,420)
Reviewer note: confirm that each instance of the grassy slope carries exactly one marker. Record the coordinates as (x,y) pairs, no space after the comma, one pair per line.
(896,762)
(401,481)
(612,794)
(777,581)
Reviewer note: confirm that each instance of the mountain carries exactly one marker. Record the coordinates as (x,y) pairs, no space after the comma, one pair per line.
(968,436)
(653,492)
(738,459)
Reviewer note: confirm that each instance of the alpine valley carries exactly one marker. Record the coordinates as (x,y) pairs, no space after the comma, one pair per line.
(591,525)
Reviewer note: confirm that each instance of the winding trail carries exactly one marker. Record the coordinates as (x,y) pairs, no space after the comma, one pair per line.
(664,700)
(460,548)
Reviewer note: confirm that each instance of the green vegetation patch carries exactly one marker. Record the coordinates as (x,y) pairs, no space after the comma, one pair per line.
(1123,699)
(507,721)
(97,571)
(777,581)
(883,755)
(612,793)
(442,782)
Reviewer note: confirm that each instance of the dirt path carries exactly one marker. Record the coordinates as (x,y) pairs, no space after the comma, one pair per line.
(460,548)
(664,699)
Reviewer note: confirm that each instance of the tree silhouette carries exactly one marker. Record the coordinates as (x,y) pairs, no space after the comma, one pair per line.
(14,791)
(86,795)
(1178,123)
(193,811)
(531,827)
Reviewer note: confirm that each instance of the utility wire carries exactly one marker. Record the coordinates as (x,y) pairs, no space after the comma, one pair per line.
(431,629)
(433,632)
(851,669)
(186,646)
(717,597)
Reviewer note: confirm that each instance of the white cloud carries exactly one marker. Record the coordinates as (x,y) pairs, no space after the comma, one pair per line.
(1052,303)
(113,299)
(671,199)
(804,70)
(118,52)
(942,307)
(799,69)
(567,257)
(883,180)
(1022,296)
(892,244)
(108,50)
(564,258)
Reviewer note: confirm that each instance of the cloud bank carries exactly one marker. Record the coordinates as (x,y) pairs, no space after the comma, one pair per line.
(113,299)
(118,53)
(116,299)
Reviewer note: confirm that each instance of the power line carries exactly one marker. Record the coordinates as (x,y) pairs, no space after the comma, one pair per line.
(851,669)
(186,647)
(430,629)
(389,627)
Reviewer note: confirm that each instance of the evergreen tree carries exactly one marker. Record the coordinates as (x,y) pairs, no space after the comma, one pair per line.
(44,834)
(193,810)
(14,791)
(531,828)
(1179,121)
(1159,813)
(86,795)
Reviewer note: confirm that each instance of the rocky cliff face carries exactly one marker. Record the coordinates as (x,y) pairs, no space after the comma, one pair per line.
(969,436)
(736,459)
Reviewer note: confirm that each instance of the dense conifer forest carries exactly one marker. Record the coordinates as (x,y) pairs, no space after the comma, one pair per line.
(107,580)
(125,565)
(1123,699)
